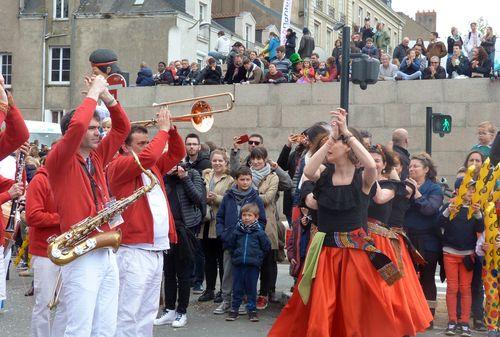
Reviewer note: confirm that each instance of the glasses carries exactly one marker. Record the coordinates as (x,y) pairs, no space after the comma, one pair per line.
(253,142)
(434,62)
(192,144)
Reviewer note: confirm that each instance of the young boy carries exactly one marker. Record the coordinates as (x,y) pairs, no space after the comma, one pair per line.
(249,244)
(459,243)
(485,135)
(228,216)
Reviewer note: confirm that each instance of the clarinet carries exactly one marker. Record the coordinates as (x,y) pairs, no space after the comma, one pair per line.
(11,226)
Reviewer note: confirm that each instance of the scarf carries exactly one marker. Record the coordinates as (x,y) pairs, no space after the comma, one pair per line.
(456,37)
(239,195)
(250,71)
(249,228)
(258,175)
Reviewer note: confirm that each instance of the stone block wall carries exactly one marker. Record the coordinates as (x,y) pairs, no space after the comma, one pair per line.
(275,111)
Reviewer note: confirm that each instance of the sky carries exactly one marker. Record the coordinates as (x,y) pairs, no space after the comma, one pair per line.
(458,13)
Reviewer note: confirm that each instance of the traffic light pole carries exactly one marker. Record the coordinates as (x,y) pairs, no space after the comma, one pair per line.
(428,130)
(344,79)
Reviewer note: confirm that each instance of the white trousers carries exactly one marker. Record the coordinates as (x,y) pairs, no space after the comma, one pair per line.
(3,275)
(44,282)
(140,286)
(91,294)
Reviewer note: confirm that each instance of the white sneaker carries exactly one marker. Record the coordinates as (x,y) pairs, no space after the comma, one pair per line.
(166,318)
(180,321)
(222,308)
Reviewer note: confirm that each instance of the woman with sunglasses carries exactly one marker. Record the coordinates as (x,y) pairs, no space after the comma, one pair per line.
(340,280)
(408,300)
(420,221)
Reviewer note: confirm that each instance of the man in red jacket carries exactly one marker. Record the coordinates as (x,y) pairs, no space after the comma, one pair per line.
(43,222)
(148,227)
(16,132)
(76,174)
(8,190)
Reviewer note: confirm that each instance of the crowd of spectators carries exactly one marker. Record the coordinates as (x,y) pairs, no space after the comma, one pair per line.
(466,56)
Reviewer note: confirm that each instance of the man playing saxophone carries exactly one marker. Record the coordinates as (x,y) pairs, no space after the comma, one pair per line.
(75,168)
(148,227)
(43,222)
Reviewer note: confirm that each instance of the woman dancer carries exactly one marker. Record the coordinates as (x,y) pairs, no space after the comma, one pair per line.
(340,281)
(408,300)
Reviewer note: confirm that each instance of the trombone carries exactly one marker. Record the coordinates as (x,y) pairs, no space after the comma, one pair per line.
(201,115)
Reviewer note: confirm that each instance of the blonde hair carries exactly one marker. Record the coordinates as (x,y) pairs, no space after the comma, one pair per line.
(106,122)
(488,126)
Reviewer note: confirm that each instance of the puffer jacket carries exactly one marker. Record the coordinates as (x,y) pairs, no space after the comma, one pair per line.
(219,188)
(248,245)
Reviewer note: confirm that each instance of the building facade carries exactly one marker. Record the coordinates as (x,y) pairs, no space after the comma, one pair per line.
(44,52)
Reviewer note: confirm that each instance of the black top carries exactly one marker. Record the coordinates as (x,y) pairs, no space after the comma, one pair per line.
(340,208)
(460,233)
(400,205)
(382,212)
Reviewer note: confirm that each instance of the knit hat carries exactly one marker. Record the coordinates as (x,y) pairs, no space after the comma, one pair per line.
(305,31)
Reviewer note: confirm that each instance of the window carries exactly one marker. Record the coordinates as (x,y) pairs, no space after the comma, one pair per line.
(59,65)
(317,33)
(61,9)
(6,68)
(248,34)
(203,12)
(329,40)
(360,17)
(56,116)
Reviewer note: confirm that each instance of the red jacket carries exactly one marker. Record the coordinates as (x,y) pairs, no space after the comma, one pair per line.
(124,178)
(5,185)
(41,215)
(70,184)
(15,134)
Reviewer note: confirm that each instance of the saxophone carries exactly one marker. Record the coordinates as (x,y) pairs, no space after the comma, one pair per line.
(76,242)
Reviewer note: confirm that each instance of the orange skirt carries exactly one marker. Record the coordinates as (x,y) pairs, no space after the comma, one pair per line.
(407,298)
(348,299)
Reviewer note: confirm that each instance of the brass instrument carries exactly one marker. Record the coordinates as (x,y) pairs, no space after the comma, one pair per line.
(201,115)
(56,292)
(76,242)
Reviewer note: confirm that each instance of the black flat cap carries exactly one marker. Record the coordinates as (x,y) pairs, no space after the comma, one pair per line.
(102,57)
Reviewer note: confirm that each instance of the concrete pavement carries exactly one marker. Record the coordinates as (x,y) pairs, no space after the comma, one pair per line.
(201,321)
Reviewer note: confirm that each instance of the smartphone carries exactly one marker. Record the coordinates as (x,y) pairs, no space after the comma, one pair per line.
(242,139)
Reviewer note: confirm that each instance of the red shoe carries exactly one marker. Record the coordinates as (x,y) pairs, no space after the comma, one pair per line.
(261,303)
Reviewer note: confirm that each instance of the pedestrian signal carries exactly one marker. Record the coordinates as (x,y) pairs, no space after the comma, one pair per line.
(441,123)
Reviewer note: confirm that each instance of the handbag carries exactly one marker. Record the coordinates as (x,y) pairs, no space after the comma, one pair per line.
(468,261)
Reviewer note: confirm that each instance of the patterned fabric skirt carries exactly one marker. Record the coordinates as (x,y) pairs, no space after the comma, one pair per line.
(406,295)
(348,298)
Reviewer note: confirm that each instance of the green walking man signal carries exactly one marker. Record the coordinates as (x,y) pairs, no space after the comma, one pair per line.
(441,124)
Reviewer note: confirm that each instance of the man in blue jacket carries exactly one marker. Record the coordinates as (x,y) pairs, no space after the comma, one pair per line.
(227,218)
(410,67)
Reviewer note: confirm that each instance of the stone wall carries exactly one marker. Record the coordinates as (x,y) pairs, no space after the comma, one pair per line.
(275,111)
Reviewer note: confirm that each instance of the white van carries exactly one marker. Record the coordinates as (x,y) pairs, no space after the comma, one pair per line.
(46,133)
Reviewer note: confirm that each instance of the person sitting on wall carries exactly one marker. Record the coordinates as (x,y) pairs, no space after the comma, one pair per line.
(434,71)
(410,67)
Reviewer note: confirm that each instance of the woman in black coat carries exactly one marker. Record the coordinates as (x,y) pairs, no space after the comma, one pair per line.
(291,38)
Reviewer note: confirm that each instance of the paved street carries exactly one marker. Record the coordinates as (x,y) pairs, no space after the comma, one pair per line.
(202,323)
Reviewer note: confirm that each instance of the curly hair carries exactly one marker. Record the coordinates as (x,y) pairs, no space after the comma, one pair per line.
(427,161)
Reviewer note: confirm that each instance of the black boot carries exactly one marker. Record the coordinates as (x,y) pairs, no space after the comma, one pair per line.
(207,295)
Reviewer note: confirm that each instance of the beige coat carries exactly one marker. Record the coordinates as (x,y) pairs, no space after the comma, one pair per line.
(220,189)
(268,192)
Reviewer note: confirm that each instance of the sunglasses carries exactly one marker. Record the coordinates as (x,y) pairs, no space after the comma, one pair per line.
(253,142)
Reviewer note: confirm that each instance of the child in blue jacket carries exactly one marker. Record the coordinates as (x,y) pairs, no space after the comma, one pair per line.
(249,244)
(228,216)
